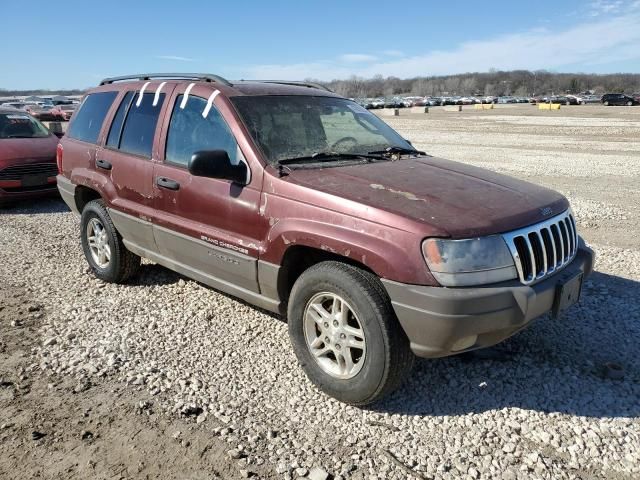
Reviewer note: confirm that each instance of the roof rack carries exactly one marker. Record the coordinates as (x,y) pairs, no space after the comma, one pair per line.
(299,84)
(205,77)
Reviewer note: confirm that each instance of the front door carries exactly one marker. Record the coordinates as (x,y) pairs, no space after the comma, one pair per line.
(204,227)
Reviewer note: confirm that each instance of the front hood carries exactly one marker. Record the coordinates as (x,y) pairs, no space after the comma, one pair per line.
(463,200)
(12,149)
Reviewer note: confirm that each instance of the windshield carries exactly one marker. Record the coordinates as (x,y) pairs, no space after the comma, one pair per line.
(296,126)
(21,125)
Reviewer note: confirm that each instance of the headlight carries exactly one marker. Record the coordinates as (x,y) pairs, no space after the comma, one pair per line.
(476,261)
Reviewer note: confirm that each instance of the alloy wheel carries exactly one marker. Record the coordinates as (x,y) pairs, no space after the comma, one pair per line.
(334,335)
(98,241)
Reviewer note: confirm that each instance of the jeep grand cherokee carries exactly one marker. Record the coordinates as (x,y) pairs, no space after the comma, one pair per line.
(304,203)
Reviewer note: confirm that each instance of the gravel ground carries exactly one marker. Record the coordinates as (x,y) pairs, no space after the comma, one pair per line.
(541,405)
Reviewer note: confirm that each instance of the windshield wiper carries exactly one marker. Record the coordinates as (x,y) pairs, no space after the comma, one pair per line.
(20,136)
(397,151)
(320,157)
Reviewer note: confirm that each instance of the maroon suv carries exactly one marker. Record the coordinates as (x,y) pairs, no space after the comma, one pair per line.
(27,157)
(304,203)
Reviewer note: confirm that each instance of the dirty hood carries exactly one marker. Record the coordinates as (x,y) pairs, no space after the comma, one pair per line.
(463,200)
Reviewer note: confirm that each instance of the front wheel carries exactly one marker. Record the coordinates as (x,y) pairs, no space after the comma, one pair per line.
(104,250)
(606,104)
(629,104)
(346,335)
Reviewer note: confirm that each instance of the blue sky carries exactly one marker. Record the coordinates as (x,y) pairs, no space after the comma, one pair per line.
(73,44)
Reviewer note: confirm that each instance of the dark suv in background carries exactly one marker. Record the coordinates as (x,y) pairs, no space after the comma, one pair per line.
(619,99)
(306,204)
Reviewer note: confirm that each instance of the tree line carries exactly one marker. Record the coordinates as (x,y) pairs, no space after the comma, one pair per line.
(517,82)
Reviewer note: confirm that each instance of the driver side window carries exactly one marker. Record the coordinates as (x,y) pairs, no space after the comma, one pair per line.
(190,132)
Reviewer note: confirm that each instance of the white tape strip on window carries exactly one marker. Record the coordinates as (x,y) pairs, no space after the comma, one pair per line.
(209,103)
(157,96)
(186,96)
(144,87)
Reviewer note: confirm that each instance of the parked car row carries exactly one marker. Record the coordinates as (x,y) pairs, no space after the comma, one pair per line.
(416,101)
(568,99)
(44,111)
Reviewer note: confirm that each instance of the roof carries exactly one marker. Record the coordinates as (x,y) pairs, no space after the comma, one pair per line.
(228,88)
(268,87)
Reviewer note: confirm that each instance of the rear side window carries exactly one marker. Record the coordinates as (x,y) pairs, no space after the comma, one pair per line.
(116,126)
(140,125)
(190,132)
(87,122)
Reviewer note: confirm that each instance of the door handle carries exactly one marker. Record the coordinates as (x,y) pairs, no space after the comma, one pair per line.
(104,164)
(167,183)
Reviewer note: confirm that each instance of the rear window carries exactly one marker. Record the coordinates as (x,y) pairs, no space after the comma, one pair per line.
(140,125)
(88,120)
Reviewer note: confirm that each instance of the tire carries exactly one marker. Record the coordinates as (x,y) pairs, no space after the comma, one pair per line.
(121,264)
(629,104)
(606,104)
(386,359)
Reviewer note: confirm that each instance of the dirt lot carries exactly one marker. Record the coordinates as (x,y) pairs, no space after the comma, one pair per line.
(164,378)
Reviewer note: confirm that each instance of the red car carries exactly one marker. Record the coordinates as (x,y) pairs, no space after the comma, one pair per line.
(27,157)
(304,203)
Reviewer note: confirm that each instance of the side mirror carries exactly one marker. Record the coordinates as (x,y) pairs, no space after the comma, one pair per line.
(217,164)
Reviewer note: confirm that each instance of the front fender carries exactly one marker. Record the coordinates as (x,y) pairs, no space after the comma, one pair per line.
(391,254)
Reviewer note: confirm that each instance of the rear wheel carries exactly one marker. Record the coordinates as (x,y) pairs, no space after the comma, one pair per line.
(103,248)
(346,335)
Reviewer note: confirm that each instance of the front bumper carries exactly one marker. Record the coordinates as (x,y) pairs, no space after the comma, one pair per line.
(443,321)
(10,197)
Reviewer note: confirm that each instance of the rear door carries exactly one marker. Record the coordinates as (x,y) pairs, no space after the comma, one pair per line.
(126,158)
(207,228)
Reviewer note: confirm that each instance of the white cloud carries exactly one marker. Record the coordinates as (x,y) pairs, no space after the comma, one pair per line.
(357,58)
(175,58)
(397,53)
(605,40)
(603,7)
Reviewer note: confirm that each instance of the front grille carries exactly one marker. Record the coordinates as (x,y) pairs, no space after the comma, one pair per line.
(16,172)
(544,248)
